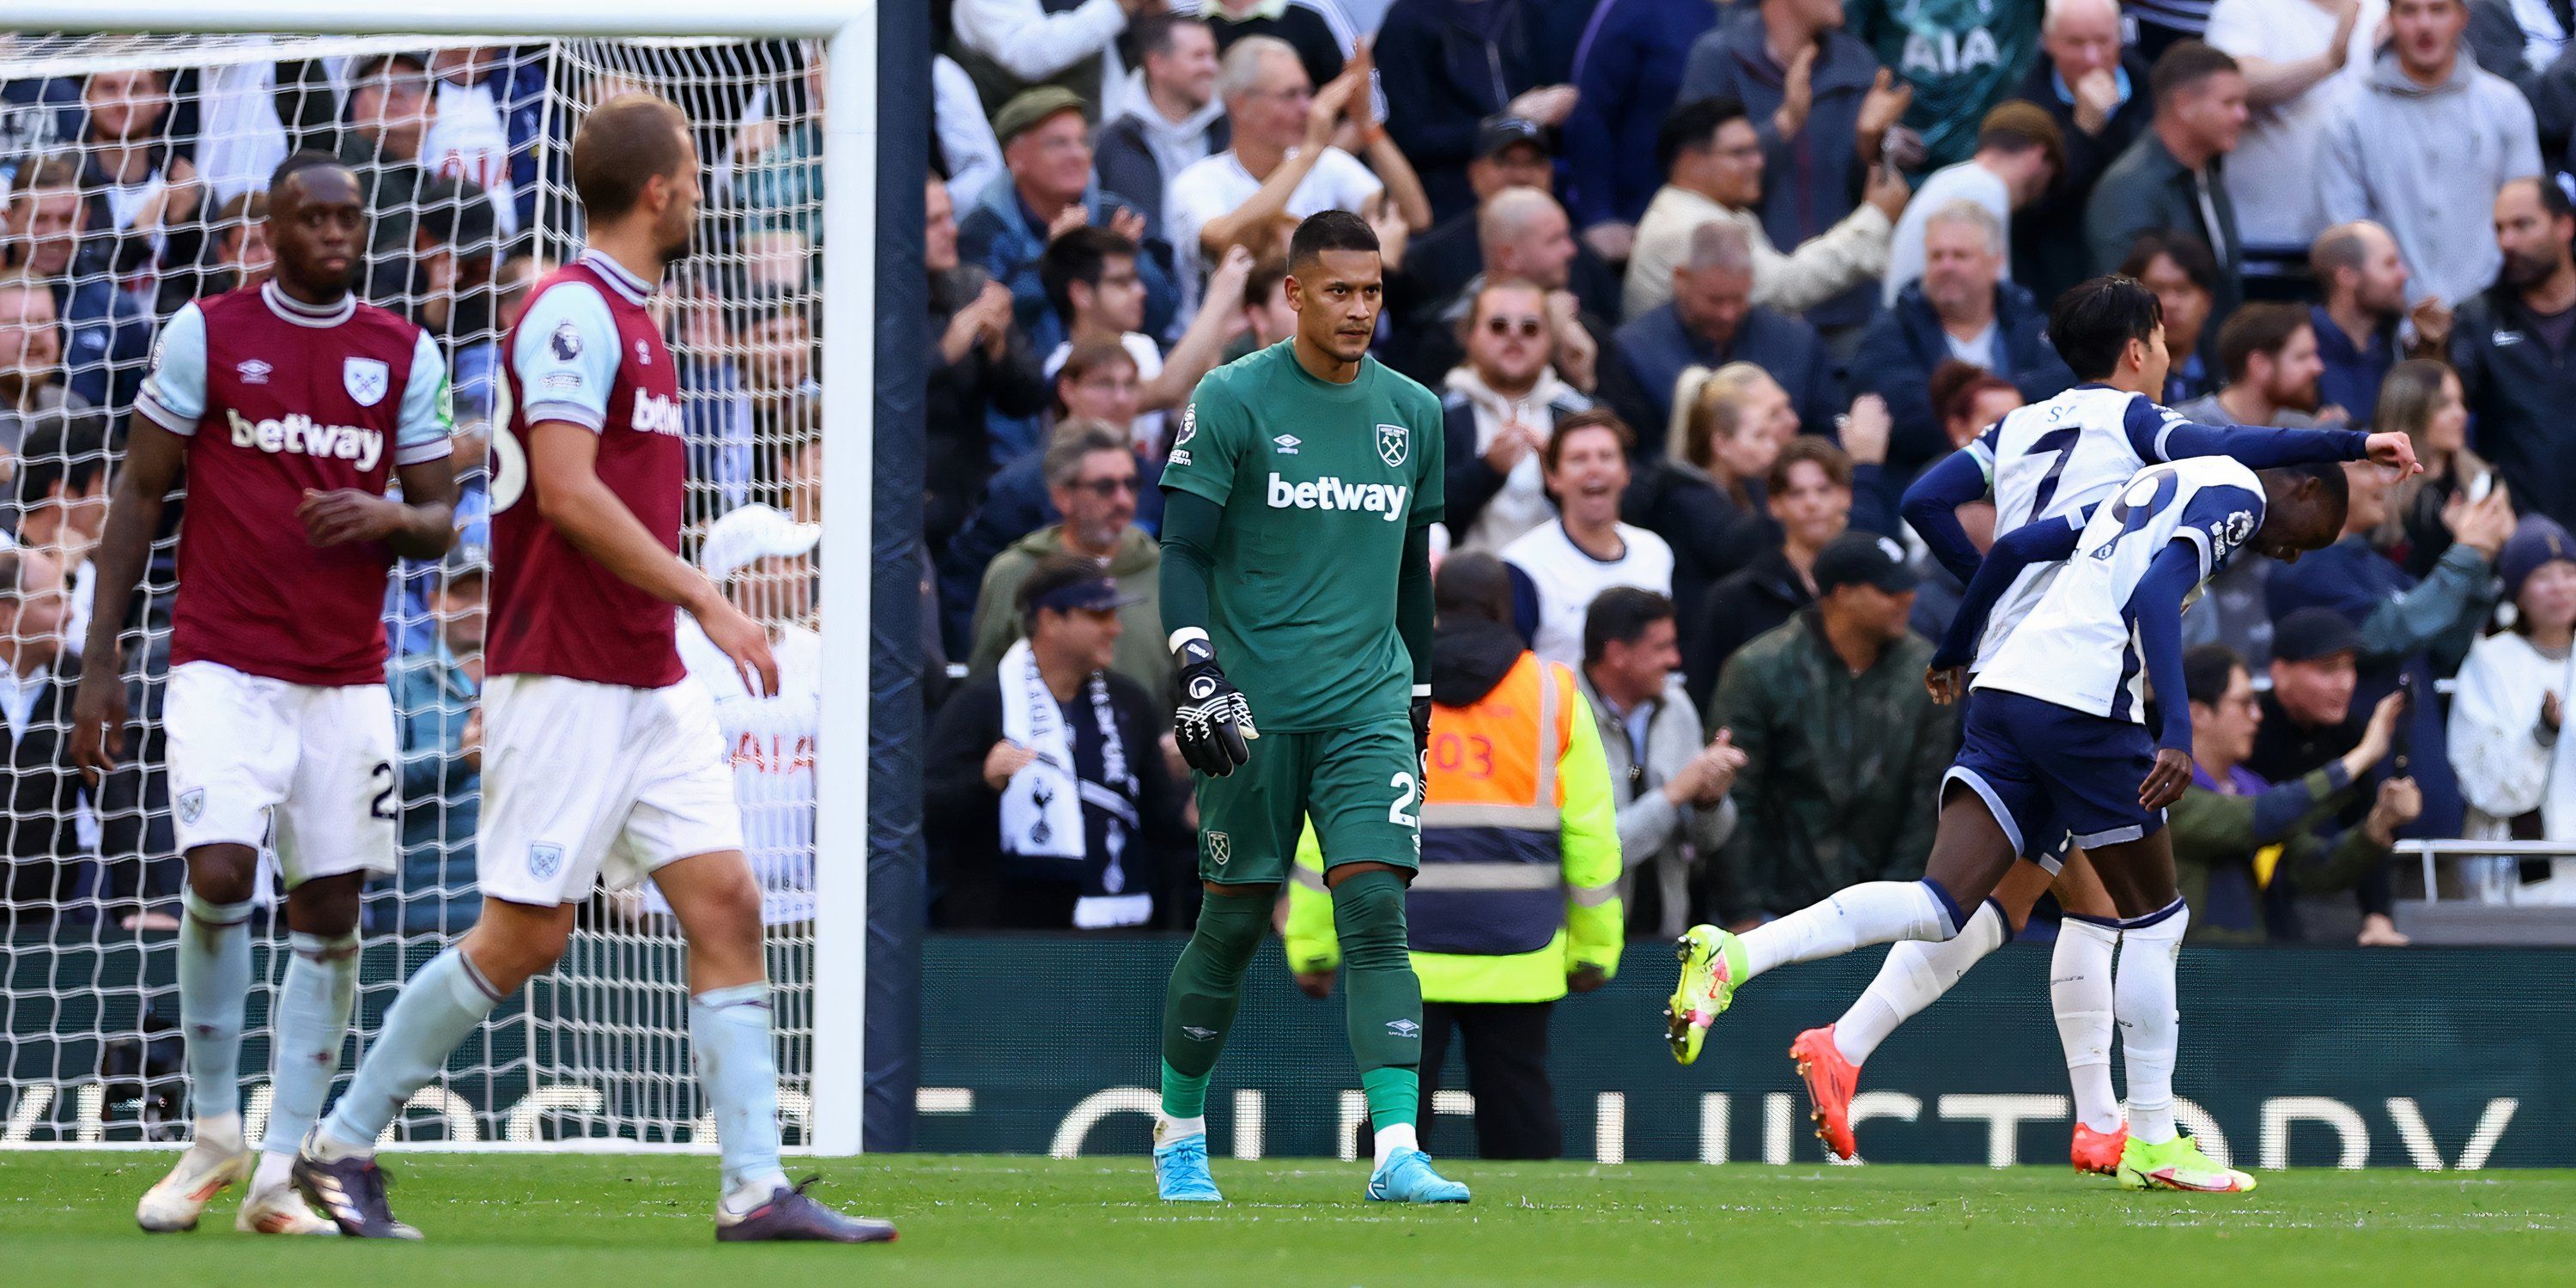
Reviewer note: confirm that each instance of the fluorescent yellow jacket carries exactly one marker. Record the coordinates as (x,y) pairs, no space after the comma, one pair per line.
(1519,884)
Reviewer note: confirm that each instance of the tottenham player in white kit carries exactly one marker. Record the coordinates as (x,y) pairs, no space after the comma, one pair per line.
(602,762)
(2051,460)
(279,402)
(2108,328)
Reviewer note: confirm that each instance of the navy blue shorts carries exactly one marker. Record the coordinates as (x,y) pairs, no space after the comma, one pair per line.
(2053,774)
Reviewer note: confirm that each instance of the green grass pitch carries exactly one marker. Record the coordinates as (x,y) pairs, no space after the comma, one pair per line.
(541,1221)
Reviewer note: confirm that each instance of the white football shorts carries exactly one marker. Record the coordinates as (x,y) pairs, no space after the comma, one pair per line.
(306,768)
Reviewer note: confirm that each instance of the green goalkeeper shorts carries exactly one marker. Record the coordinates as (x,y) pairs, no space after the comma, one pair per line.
(1361,786)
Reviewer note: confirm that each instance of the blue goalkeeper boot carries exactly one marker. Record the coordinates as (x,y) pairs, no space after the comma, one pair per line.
(1181,1172)
(1407,1178)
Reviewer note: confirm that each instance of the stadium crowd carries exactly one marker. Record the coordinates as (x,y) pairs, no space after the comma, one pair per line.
(1702,287)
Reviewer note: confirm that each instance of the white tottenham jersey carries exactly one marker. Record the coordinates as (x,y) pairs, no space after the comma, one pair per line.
(2053,460)
(772,743)
(2079,648)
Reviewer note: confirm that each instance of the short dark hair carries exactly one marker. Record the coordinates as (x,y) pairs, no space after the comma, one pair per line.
(1152,33)
(1053,573)
(1690,126)
(2093,323)
(2329,476)
(1081,255)
(2335,250)
(1597,418)
(298,162)
(2185,64)
(1329,230)
(2189,253)
(1621,613)
(1809,449)
(2015,127)
(13,572)
(2206,670)
(1956,385)
(61,170)
(68,454)
(1263,281)
(2264,327)
(626,143)
(2554,201)
(1472,584)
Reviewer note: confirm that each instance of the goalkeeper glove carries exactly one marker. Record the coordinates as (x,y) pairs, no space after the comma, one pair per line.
(1212,722)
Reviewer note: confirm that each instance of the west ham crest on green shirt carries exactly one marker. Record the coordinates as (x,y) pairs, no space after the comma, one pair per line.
(1390,444)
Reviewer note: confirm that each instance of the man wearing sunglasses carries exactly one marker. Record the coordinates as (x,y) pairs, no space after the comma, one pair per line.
(1092,477)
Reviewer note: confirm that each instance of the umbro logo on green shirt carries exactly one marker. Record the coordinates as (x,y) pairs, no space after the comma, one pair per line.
(1330,493)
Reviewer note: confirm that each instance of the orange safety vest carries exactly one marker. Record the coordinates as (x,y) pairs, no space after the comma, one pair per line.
(1493,875)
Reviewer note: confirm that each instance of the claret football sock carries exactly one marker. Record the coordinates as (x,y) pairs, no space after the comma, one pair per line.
(312,1022)
(1873,912)
(2150,1023)
(2079,991)
(1915,975)
(1199,1003)
(437,1009)
(214,987)
(1384,1003)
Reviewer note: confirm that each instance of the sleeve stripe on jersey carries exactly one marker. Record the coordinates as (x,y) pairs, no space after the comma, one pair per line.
(145,403)
(418,452)
(2199,542)
(565,411)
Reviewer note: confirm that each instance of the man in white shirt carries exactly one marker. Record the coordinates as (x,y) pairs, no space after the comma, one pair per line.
(1557,569)
(2300,57)
(1011,45)
(468,137)
(2020,152)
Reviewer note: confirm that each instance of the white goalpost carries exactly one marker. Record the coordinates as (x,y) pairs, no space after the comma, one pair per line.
(458,116)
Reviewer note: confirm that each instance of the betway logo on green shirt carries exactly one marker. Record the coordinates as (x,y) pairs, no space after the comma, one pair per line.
(1330,493)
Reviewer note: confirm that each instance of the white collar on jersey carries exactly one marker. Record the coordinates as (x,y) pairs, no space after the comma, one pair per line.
(627,284)
(303,314)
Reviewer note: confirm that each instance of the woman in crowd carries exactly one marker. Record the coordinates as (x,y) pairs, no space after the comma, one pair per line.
(1970,399)
(2518,774)
(2421,398)
(1705,497)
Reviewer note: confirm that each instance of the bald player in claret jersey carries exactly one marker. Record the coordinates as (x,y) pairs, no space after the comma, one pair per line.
(601,762)
(290,406)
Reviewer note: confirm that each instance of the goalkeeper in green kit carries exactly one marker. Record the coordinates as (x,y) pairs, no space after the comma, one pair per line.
(1297,589)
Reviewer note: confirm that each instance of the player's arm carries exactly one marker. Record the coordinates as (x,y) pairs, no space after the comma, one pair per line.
(2159,435)
(1932,501)
(2044,541)
(1413,622)
(1211,720)
(2154,611)
(423,524)
(154,457)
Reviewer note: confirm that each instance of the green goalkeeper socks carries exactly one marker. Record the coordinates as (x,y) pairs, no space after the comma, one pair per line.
(1383,995)
(1198,1005)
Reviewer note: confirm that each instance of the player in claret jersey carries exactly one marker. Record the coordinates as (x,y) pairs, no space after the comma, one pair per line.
(601,762)
(289,405)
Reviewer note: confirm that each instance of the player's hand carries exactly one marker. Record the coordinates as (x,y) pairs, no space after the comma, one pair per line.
(346,514)
(98,720)
(1005,760)
(740,639)
(1945,683)
(1317,984)
(1213,722)
(1421,714)
(2395,451)
(2165,782)
(1585,977)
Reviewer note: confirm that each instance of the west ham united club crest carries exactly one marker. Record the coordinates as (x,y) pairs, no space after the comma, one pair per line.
(1391,440)
(1220,848)
(192,804)
(544,860)
(366,379)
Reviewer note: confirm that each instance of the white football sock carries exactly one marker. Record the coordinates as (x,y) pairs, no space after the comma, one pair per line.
(214,988)
(1392,1137)
(311,1023)
(1168,1128)
(438,1008)
(2150,1023)
(1915,976)
(2079,991)
(1873,912)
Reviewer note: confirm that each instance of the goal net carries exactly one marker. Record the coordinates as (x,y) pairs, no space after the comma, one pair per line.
(133,169)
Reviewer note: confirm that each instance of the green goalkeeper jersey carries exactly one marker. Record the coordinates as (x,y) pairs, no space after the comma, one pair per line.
(1320,484)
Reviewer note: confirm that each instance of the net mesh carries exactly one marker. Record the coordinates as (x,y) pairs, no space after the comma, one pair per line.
(133,169)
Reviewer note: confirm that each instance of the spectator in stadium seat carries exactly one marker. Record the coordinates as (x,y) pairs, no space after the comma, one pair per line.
(1807,496)
(2511,347)
(1524,236)
(1268,318)
(59,504)
(1712,155)
(2310,719)
(963,150)
(126,153)
(778,158)
(439,727)
(389,115)
(2528,46)
(1047,146)
(236,255)
(2269,351)
(2097,93)
(2019,152)
(979,366)
(1969,399)
(1049,801)
(1843,748)
(1961,309)
(39,115)
(1091,278)
(1450,64)
(2361,280)
(60,235)
(2230,814)
(1558,569)
(1673,787)
(1093,480)
(1961,61)
(1173,119)
(1500,407)
(2421,143)
(1703,492)
(2516,771)
(2300,58)
(2184,275)
(1711,321)
(487,105)
(1320,31)
(1010,47)
(32,396)
(1820,152)
(2174,177)
(42,789)
(1441,264)
(2422,400)
(1627,76)
(452,249)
